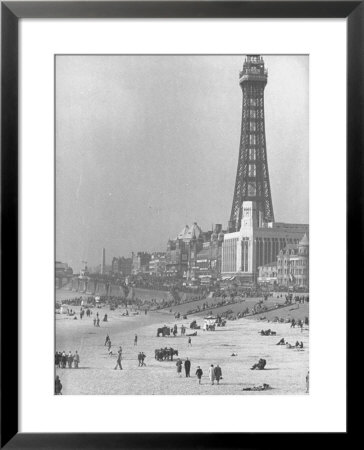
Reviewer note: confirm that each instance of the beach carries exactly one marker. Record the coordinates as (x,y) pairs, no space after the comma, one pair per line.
(285,370)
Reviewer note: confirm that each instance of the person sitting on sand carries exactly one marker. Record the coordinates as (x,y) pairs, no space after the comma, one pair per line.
(281,342)
(260,365)
(265,387)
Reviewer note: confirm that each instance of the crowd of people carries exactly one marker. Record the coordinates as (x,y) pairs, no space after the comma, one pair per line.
(63,360)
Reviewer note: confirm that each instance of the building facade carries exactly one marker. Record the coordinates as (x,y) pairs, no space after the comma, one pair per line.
(140,262)
(205,256)
(293,265)
(122,266)
(195,254)
(157,264)
(267,274)
(256,244)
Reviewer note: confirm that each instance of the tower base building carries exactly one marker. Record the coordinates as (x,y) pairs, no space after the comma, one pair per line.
(256,243)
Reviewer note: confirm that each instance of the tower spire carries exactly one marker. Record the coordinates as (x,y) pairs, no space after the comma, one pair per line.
(252,178)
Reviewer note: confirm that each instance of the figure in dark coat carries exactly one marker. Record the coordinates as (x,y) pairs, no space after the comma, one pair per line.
(187,367)
(218,373)
(58,386)
(199,374)
(63,360)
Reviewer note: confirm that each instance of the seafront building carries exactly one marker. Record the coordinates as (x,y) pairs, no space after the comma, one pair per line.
(293,264)
(157,264)
(195,254)
(140,262)
(122,266)
(267,274)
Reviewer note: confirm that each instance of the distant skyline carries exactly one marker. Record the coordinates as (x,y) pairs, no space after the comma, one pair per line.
(148,144)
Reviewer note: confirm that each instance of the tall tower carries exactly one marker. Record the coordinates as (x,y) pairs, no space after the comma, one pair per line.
(252,178)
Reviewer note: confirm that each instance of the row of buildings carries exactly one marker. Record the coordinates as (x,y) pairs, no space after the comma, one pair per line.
(273,253)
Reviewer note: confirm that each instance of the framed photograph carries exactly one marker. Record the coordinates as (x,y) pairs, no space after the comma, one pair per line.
(181,193)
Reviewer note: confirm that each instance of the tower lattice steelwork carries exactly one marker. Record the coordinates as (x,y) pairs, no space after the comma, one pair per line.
(252,178)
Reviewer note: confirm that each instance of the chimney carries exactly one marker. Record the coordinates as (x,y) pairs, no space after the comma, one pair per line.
(103,262)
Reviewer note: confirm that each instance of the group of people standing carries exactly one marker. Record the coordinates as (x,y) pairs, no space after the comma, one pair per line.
(63,360)
(215,372)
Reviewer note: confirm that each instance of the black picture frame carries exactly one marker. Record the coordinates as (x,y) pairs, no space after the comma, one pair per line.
(11,13)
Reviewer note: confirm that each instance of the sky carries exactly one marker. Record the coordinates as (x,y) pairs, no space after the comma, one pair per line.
(148,144)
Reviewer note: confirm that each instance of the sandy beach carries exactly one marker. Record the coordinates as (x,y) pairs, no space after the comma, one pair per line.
(285,371)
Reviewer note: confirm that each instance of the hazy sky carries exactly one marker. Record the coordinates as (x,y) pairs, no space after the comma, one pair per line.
(147,144)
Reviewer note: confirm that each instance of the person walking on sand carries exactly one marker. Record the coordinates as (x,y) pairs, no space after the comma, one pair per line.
(98,322)
(179,367)
(118,362)
(76,360)
(199,374)
(189,341)
(136,340)
(143,356)
(187,367)
(218,373)
(109,346)
(212,374)
(107,339)
(307,382)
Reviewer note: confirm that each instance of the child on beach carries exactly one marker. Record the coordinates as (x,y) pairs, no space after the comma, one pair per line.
(199,374)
